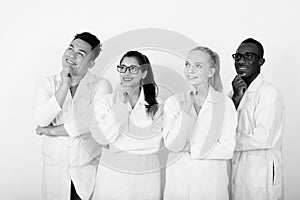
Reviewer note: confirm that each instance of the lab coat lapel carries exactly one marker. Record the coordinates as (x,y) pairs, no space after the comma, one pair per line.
(201,127)
(209,125)
(84,85)
(214,131)
(140,123)
(242,102)
(252,88)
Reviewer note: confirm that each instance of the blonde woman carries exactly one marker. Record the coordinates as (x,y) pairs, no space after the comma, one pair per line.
(199,132)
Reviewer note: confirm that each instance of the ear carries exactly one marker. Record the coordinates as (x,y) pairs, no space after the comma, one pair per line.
(261,61)
(211,71)
(144,74)
(91,64)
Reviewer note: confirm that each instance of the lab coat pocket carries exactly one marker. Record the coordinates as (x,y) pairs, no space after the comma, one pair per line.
(254,172)
(272,172)
(52,150)
(275,180)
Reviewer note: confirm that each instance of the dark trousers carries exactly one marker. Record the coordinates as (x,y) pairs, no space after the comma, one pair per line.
(74,195)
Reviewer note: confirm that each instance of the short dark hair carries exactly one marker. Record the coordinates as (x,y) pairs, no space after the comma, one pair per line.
(91,40)
(258,45)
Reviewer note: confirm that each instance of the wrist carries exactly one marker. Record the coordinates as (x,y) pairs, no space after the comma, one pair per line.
(187,109)
(65,85)
(236,97)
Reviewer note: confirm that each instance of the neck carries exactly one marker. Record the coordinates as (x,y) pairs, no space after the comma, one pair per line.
(250,79)
(75,80)
(135,96)
(202,89)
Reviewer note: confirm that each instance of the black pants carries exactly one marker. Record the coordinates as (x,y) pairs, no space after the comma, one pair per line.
(74,195)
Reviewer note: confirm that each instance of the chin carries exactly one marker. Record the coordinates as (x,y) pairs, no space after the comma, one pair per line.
(194,82)
(128,84)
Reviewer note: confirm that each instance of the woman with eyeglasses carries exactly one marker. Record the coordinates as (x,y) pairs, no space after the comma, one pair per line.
(129,125)
(199,132)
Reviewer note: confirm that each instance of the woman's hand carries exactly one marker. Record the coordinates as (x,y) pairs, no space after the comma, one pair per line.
(189,100)
(126,93)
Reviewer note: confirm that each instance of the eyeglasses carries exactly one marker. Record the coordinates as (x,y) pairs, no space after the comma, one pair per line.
(132,69)
(247,56)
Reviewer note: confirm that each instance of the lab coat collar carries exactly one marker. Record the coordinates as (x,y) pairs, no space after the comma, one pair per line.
(209,98)
(88,78)
(256,83)
(212,98)
(141,99)
(85,82)
(254,86)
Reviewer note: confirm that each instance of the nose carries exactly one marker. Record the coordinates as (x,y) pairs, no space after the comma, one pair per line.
(126,73)
(72,55)
(189,69)
(241,60)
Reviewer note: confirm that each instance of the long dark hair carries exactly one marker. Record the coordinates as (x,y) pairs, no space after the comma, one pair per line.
(148,83)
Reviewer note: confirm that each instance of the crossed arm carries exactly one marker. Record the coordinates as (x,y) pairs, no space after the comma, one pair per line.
(52,130)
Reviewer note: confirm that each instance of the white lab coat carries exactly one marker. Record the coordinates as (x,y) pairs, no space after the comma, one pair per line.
(75,157)
(129,168)
(199,171)
(257,172)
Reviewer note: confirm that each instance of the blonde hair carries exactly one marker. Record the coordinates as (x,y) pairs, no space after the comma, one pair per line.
(214,81)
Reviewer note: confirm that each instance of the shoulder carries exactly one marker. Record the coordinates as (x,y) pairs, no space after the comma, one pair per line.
(268,91)
(50,78)
(103,86)
(222,98)
(176,98)
(103,101)
(173,103)
(48,81)
(103,81)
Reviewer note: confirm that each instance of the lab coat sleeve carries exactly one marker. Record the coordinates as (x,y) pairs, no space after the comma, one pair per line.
(45,107)
(70,125)
(131,142)
(224,147)
(178,125)
(103,87)
(109,119)
(268,117)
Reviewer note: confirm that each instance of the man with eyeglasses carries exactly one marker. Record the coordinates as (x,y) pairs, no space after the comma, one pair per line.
(257,172)
(61,111)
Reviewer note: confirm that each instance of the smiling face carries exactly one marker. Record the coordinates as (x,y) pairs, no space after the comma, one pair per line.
(249,67)
(128,79)
(78,57)
(198,68)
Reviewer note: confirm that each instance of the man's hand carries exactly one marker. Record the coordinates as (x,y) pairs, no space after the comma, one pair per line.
(52,131)
(65,75)
(239,88)
(64,87)
(44,130)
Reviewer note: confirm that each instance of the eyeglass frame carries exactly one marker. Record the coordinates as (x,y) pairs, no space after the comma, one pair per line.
(244,56)
(129,68)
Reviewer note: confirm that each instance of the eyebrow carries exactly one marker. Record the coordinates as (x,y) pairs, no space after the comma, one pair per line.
(71,45)
(199,63)
(83,51)
(130,65)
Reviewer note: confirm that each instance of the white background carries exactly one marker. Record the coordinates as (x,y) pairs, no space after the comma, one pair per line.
(35,33)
